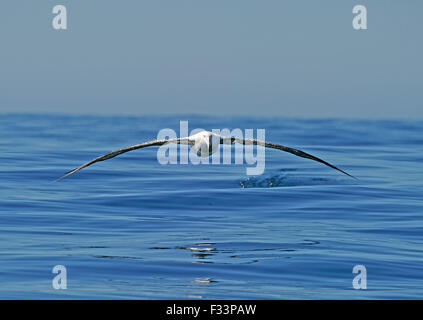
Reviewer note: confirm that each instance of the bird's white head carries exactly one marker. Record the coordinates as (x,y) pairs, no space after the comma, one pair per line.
(204,143)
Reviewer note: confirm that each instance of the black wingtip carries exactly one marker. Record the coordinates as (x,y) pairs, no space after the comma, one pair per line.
(349,175)
(65,175)
(58,179)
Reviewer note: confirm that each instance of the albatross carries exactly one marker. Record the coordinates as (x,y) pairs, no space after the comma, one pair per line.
(204,144)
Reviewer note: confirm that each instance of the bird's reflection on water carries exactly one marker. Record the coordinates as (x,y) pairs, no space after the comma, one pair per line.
(239,253)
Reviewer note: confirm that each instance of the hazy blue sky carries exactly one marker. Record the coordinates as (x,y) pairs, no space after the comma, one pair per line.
(294,58)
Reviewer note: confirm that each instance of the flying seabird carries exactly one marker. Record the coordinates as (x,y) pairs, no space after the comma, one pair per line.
(204,144)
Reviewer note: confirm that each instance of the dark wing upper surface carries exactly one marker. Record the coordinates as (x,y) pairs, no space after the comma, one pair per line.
(296,152)
(115,153)
(223,140)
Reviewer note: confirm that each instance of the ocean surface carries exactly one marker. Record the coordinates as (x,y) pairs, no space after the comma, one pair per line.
(131,228)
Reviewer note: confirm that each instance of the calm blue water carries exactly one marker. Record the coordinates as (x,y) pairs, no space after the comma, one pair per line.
(132,228)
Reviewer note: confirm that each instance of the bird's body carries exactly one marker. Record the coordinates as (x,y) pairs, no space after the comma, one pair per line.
(204,144)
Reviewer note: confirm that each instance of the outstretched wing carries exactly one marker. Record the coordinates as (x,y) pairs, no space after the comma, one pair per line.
(296,152)
(115,153)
